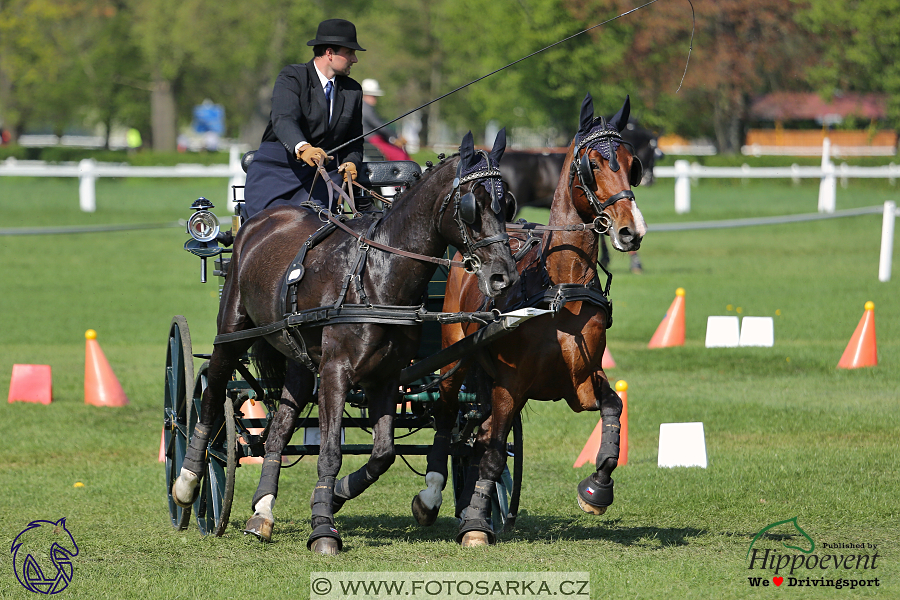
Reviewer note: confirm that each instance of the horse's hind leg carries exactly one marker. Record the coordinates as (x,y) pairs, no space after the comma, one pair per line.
(296,393)
(383,405)
(427,503)
(595,492)
(212,407)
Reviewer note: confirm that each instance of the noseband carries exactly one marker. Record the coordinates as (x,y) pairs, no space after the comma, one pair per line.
(582,169)
(465,208)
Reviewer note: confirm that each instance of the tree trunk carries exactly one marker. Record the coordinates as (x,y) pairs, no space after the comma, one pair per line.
(162,109)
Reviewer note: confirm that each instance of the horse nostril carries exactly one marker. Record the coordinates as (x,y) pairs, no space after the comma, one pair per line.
(625,234)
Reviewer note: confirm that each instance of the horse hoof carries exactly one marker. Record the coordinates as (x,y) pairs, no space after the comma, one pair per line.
(590,508)
(473,539)
(261,527)
(424,516)
(326,545)
(182,487)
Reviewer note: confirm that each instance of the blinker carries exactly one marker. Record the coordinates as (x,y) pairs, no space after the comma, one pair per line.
(467,208)
(585,171)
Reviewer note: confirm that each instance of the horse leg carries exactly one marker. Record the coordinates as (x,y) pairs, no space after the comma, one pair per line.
(476,528)
(383,405)
(427,503)
(595,492)
(212,406)
(333,388)
(297,389)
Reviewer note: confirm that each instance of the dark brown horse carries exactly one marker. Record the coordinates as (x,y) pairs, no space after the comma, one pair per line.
(457,202)
(546,358)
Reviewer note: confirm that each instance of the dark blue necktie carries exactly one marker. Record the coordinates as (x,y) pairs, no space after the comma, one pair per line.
(328,88)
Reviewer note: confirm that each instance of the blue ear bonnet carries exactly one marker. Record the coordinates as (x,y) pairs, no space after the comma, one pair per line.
(602,137)
(488,175)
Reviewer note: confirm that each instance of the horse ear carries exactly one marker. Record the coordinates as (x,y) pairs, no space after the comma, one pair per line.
(620,120)
(587,114)
(467,149)
(499,147)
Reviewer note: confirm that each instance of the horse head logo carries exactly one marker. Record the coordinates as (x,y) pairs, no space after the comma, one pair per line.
(812,544)
(42,556)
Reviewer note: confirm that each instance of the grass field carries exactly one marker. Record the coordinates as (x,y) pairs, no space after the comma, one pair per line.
(788,435)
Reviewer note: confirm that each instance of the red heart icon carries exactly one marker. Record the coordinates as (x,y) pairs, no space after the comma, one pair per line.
(777,580)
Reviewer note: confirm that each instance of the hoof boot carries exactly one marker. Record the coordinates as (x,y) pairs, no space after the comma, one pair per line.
(424,516)
(325,545)
(261,527)
(474,538)
(590,508)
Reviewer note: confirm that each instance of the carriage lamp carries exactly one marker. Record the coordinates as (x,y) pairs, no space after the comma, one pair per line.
(203,225)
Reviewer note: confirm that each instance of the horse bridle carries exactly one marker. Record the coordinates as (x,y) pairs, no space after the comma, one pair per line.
(581,168)
(465,208)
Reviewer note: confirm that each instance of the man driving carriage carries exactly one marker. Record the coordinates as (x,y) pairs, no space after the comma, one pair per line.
(314,105)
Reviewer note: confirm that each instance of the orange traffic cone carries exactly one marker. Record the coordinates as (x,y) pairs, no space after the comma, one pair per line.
(671,330)
(253,409)
(862,350)
(607,361)
(101,388)
(592,447)
(162,446)
(31,383)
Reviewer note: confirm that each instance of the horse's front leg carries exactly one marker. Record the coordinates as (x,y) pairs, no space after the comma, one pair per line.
(334,385)
(595,492)
(382,407)
(222,363)
(427,503)
(297,390)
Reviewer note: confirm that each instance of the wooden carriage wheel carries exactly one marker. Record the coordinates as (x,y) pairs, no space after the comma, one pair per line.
(179,371)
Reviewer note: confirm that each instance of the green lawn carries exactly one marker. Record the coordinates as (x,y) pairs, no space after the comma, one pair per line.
(787,433)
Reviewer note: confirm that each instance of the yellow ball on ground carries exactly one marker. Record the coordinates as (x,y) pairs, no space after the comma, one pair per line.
(78,484)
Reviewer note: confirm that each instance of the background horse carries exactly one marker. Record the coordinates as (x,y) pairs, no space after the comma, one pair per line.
(545,358)
(454,203)
(532,176)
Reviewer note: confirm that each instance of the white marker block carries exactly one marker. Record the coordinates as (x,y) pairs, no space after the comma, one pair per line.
(681,445)
(722,332)
(757,331)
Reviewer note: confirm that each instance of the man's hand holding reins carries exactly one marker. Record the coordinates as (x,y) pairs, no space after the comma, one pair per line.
(348,169)
(311,155)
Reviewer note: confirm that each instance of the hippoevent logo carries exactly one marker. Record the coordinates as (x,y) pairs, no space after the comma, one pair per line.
(42,556)
(800,565)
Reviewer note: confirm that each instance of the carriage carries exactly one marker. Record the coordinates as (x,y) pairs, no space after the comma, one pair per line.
(469,312)
(240,436)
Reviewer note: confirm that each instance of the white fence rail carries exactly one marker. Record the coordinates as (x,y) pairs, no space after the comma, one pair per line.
(827,174)
(88,170)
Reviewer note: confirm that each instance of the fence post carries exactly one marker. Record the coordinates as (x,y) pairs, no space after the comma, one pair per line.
(87,196)
(238,177)
(827,185)
(682,187)
(887,240)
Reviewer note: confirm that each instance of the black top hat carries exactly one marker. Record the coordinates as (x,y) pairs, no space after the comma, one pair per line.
(336,32)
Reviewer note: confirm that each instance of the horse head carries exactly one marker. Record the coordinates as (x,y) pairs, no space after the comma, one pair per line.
(599,185)
(473,215)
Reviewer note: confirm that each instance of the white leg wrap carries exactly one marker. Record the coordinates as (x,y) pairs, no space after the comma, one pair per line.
(432,496)
(264,507)
(183,488)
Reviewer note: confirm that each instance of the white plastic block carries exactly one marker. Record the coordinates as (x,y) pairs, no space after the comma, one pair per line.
(681,445)
(757,331)
(722,332)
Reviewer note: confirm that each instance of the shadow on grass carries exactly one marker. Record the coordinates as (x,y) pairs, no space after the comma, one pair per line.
(372,531)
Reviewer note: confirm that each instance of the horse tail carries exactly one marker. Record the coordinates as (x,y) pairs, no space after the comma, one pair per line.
(271,365)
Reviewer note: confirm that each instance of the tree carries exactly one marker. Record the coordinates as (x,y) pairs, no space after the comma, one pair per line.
(860,43)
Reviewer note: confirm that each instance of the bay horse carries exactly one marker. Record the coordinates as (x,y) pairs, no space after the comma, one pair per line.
(456,202)
(545,358)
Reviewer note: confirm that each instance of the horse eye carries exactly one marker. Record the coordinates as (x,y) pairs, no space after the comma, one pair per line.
(594,165)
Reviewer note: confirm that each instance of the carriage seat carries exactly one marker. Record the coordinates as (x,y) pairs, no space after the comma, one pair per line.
(372,174)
